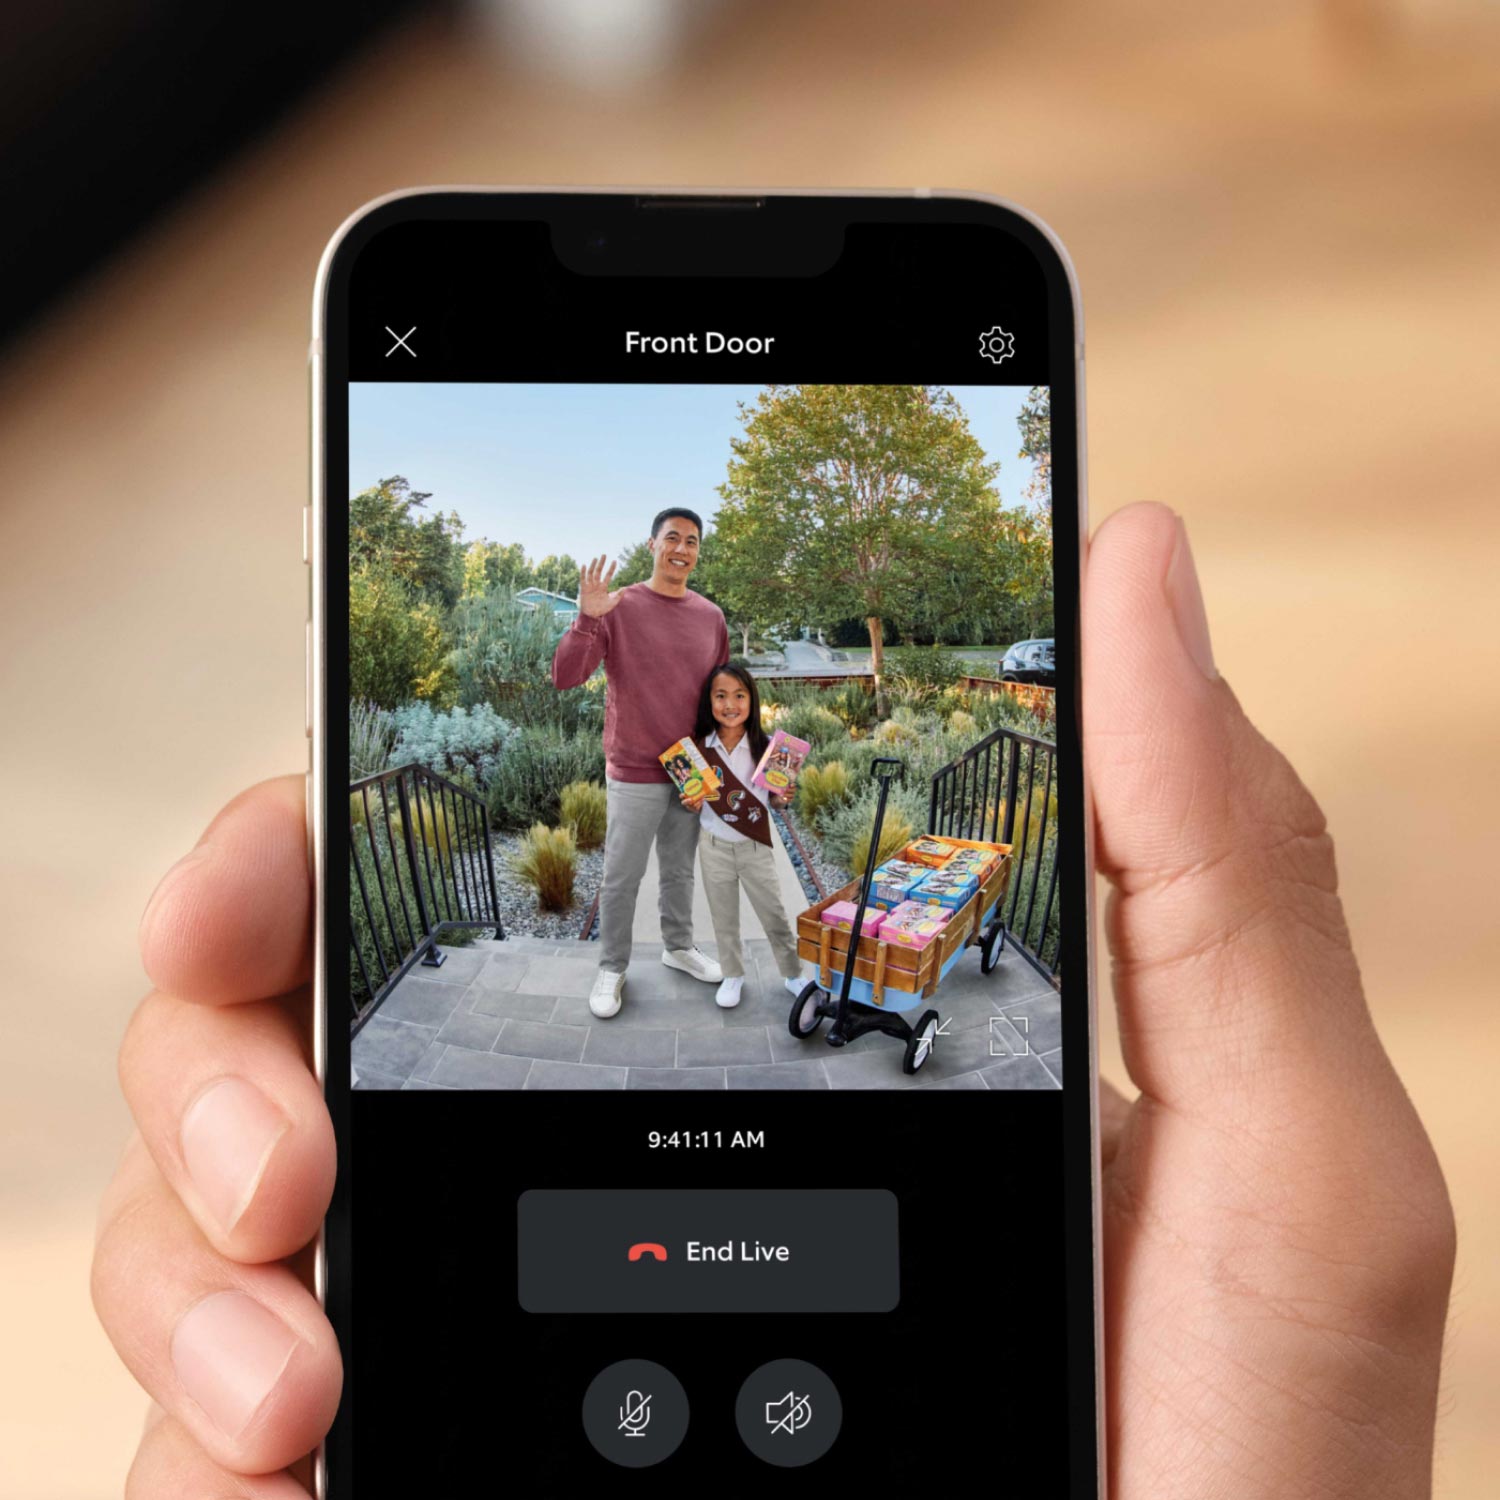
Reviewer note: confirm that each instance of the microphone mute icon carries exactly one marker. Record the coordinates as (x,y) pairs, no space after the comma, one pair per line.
(635,1415)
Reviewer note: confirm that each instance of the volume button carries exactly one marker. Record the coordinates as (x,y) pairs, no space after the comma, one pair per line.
(307,534)
(307,696)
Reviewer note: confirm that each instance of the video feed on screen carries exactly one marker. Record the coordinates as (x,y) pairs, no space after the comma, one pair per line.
(702,737)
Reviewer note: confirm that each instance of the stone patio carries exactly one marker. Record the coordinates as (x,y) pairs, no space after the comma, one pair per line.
(514,1014)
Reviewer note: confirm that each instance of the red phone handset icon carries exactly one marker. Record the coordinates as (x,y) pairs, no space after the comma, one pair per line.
(659,1252)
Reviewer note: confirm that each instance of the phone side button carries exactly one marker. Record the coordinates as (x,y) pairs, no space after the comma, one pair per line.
(306,534)
(307,680)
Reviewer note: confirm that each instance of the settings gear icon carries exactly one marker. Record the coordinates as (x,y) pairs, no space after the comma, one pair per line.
(997,345)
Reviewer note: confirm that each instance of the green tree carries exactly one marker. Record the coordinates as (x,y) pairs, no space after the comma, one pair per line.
(635,565)
(1035,422)
(387,525)
(860,500)
(558,575)
(737,569)
(502,656)
(396,641)
(494,565)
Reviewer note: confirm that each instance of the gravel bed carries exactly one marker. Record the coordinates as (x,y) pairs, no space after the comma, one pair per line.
(518,908)
(830,874)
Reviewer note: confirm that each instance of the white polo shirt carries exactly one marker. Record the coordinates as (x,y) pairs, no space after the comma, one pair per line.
(742,763)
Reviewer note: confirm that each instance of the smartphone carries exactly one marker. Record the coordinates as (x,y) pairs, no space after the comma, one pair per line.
(746,1145)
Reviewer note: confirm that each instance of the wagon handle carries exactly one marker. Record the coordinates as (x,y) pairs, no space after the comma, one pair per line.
(856,933)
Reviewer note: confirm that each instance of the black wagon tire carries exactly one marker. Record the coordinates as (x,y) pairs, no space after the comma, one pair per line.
(807,1013)
(919,1047)
(991,947)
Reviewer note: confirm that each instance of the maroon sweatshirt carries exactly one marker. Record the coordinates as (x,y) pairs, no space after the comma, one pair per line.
(657,651)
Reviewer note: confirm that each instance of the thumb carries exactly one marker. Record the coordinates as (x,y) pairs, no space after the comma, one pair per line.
(1232,963)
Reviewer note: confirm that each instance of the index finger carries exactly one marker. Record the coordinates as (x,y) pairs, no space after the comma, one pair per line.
(231,921)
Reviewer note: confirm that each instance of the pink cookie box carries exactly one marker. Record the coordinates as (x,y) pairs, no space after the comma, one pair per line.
(913,924)
(841,915)
(777,772)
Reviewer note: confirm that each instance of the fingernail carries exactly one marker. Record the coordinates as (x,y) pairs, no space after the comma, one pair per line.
(227,1137)
(1186,599)
(229,1352)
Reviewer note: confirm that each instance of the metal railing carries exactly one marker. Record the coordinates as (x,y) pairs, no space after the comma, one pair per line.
(1004,790)
(420,865)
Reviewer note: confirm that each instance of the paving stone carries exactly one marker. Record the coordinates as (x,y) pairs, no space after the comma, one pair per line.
(959,1081)
(792,1075)
(464,1029)
(725,1045)
(428,1061)
(374,1081)
(757,1007)
(390,1047)
(1043,1029)
(459,965)
(412,1085)
(1018,1073)
(559,977)
(632,1047)
(503,971)
(643,1008)
(1014,979)
(541,1039)
(566,1075)
(675,1079)
(508,1005)
(420,1001)
(1053,1064)
(463,1069)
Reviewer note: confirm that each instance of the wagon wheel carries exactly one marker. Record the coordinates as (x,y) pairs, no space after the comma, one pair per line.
(919,1047)
(807,1012)
(992,946)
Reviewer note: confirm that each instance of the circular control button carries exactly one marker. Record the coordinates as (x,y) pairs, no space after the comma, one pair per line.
(789,1413)
(635,1413)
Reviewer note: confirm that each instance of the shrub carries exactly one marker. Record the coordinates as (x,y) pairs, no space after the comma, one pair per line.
(820,789)
(846,830)
(466,745)
(396,641)
(502,656)
(547,860)
(815,724)
(894,733)
(539,761)
(920,673)
(853,702)
(372,734)
(583,807)
(964,725)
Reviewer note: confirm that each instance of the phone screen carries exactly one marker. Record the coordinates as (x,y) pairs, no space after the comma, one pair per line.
(705,966)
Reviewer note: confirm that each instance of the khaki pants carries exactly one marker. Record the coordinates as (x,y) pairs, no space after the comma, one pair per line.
(727,866)
(640,814)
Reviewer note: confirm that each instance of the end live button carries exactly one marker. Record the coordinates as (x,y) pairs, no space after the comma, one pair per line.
(758,1250)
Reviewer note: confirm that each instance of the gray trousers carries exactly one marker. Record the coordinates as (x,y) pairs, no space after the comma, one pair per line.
(641,813)
(732,865)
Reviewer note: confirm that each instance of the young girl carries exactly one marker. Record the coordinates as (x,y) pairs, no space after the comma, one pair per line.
(736,848)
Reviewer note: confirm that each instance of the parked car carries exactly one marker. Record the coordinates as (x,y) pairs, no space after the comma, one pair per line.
(1030,661)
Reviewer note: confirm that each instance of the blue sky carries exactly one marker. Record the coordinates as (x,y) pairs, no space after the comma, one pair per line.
(581,469)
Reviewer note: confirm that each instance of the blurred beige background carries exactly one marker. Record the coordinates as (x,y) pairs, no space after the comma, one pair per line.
(1285,222)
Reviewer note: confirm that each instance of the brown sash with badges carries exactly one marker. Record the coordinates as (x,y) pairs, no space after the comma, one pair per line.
(736,806)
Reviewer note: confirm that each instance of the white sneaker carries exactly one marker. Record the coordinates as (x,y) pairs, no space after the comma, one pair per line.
(604,998)
(729,992)
(693,961)
(796,986)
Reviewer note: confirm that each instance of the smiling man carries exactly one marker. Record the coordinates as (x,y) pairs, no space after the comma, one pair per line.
(658,642)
